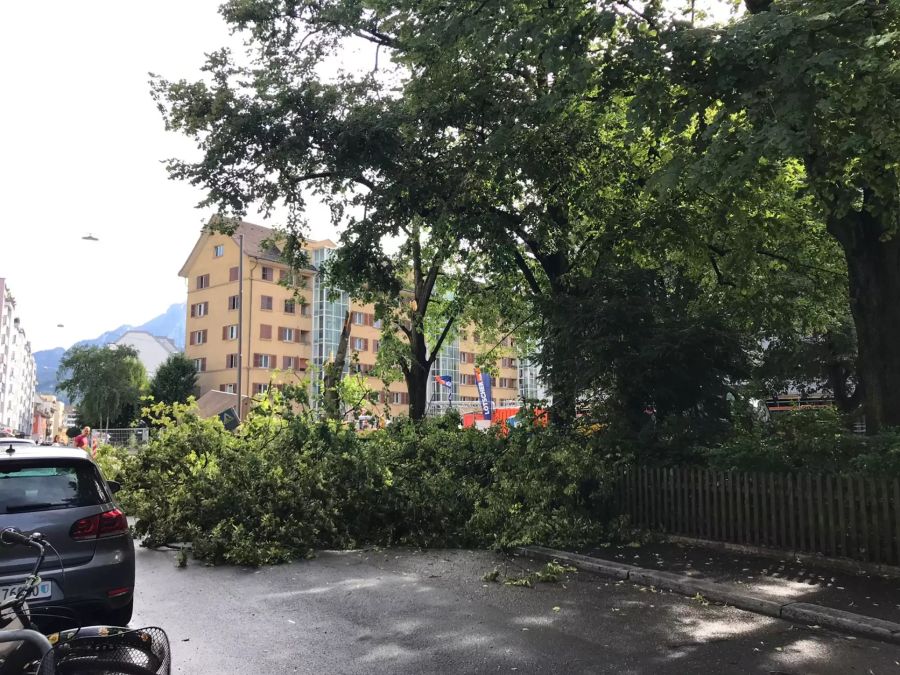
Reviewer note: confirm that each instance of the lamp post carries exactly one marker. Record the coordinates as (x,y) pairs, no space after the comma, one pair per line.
(240,359)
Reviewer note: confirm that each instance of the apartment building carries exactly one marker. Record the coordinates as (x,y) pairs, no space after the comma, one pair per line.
(287,333)
(152,350)
(18,374)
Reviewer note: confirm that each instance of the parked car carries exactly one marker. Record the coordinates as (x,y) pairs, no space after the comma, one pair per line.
(61,493)
(6,441)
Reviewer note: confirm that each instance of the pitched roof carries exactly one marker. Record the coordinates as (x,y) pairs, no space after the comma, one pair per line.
(214,402)
(258,242)
(256,238)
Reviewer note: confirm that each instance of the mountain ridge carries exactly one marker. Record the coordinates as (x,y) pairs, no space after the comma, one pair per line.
(170,324)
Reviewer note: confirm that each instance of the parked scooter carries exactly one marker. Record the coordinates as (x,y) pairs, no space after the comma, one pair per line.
(99,650)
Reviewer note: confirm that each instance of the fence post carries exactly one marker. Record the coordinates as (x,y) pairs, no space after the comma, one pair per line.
(863,517)
(886,535)
(832,525)
(813,527)
(896,486)
(851,501)
(876,530)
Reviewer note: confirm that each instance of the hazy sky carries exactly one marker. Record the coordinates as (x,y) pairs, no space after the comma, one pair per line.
(82,144)
(81,148)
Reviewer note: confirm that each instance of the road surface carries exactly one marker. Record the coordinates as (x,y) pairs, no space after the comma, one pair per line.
(405,611)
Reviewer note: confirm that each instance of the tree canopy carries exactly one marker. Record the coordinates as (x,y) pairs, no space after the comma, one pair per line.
(648,196)
(175,380)
(105,383)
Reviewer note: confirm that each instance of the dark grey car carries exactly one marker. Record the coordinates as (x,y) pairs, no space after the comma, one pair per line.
(61,493)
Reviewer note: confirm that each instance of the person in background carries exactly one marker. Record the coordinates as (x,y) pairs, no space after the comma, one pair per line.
(82,440)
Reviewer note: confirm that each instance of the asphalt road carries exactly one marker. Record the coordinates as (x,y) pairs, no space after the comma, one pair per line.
(402,611)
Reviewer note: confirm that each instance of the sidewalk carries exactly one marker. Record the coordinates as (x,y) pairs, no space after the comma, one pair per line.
(783,580)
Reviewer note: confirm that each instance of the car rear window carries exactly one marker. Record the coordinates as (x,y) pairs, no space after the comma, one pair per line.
(46,484)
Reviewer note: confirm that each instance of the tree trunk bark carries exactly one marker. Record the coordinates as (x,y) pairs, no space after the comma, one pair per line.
(873,266)
(562,381)
(417,378)
(331,400)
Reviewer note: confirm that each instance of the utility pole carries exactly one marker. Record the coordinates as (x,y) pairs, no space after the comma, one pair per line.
(240,359)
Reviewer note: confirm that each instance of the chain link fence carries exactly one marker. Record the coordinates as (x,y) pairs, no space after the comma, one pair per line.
(122,438)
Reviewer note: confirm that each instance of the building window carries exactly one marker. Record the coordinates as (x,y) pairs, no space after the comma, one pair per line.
(377,323)
(263,361)
(198,337)
(290,306)
(507,362)
(359,318)
(265,332)
(265,302)
(268,274)
(228,388)
(233,302)
(361,344)
(230,332)
(399,398)
(200,309)
(463,357)
(507,383)
(200,365)
(233,274)
(376,344)
(259,388)
(231,360)
(288,335)
(291,363)
(219,251)
(203,281)
(304,309)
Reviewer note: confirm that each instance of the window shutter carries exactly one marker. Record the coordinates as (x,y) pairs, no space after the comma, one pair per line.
(273,361)
(224,332)
(193,310)
(365,344)
(191,340)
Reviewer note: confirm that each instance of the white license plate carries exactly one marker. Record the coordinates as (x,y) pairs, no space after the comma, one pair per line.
(42,590)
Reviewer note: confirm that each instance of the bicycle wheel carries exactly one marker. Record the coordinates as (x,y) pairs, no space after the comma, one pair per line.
(79,665)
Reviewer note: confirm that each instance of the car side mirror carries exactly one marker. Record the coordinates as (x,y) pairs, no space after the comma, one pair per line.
(114,486)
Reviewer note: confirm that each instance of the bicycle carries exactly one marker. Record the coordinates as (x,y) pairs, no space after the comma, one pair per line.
(98,650)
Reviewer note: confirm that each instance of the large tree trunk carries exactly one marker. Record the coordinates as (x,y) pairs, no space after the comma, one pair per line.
(333,372)
(417,379)
(560,369)
(873,266)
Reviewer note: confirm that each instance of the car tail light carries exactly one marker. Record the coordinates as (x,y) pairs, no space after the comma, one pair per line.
(107,524)
(112,523)
(118,592)
(86,528)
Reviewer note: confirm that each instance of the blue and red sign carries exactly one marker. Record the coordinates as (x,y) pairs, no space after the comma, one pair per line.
(483,382)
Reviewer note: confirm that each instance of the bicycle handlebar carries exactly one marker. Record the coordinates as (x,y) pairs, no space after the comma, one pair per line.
(13,536)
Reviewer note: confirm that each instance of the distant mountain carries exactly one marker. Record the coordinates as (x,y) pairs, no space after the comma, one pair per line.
(170,324)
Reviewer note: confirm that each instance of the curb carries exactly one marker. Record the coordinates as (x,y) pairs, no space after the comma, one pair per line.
(800,612)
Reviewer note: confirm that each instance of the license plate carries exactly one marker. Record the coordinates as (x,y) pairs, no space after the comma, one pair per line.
(42,590)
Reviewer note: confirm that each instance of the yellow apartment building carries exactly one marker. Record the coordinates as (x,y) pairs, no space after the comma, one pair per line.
(283,338)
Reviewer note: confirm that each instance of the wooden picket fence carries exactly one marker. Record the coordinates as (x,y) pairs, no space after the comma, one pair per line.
(839,516)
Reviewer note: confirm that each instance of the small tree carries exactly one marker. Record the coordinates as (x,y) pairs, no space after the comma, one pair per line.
(105,383)
(175,380)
